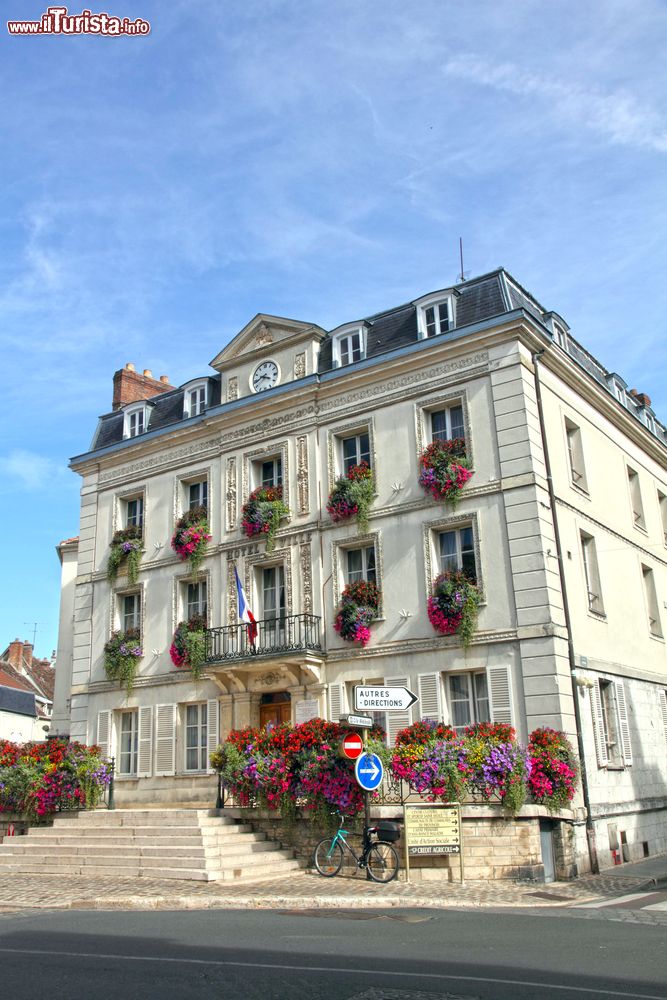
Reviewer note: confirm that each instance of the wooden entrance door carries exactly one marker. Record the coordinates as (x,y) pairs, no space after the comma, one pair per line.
(275,712)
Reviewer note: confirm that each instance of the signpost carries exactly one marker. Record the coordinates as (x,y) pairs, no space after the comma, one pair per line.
(351,746)
(431,830)
(369,771)
(383,699)
(358,721)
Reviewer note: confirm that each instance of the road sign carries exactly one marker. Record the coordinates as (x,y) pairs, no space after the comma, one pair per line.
(383,699)
(351,746)
(358,721)
(369,771)
(433,829)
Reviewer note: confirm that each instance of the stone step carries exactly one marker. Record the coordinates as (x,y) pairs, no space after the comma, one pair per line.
(213,854)
(118,817)
(126,838)
(249,873)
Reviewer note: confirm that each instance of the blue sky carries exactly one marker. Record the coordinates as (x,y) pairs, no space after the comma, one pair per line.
(313,160)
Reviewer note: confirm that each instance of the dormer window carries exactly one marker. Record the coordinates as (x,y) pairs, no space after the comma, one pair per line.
(560,336)
(349,345)
(195,399)
(136,421)
(435,315)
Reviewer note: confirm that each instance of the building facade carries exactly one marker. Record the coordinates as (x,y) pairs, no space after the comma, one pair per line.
(563,526)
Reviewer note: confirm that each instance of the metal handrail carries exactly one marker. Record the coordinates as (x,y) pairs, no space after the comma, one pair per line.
(289,633)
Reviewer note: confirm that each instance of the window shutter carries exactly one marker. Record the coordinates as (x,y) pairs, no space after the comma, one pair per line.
(396,720)
(145,740)
(165,739)
(336,696)
(500,695)
(663,705)
(429,697)
(104,733)
(213,725)
(626,745)
(598,726)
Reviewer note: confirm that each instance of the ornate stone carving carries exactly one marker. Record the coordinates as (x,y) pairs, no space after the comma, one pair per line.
(172,457)
(300,365)
(263,335)
(270,679)
(303,493)
(305,565)
(264,428)
(232,388)
(231,494)
(232,615)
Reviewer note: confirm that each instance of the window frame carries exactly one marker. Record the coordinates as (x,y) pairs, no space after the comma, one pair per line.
(432,301)
(592,576)
(460,550)
(472,699)
(431,547)
(131,412)
(662,514)
(200,727)
(651,602)
(339,563)
(335,438)
(345,334)
(133,751)
(636,499)
(436,404)
(251,469)
(575,455)
(195,388)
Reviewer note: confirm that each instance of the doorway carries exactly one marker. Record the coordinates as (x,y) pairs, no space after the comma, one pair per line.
(274,709)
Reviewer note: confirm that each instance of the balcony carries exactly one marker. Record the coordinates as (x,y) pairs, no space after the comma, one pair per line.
(279,637)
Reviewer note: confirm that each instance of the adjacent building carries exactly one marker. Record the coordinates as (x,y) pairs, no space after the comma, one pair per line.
(563,526)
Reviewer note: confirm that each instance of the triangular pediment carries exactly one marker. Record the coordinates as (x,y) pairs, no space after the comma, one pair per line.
(265,331)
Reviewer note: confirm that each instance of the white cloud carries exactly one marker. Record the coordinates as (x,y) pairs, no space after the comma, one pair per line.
(33,471)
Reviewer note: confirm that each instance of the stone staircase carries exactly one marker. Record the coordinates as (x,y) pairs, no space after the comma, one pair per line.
(200,844)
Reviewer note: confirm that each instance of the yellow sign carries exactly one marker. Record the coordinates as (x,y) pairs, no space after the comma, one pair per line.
(433,829)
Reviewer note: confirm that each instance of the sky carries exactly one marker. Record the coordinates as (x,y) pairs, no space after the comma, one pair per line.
(312,160)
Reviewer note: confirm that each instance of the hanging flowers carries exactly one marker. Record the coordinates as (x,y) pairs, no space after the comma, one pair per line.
(261,513)
(188,647)
(444,469)
(453,605)
(352,494)
(126,546)
(554,769)
(359,604)
(121,656)
(191,537)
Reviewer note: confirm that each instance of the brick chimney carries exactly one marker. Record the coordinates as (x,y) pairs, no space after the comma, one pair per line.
(130,387)
(19,653)
(641,397)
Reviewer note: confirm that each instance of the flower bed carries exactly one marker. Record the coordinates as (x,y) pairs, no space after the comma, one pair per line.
(444,469)
(261,513)
(191,537)
(554,769)
(121,657)
(359,605)
(38,779)
(453,605)
(352,494)
(188,647)
(126,547)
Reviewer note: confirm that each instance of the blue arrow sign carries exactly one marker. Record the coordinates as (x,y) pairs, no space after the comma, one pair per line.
(369,771)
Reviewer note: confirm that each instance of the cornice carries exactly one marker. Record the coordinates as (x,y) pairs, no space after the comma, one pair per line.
(404,647)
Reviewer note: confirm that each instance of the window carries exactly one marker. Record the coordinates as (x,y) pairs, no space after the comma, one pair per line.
(273,592)
(360,565)
(435,314)
(651,596)
(348,344)
(456,550)
(196,599)
(575,455)
(196,737)
(560,336)
(355,449)
(448,423)
(662,505)
(592,573)
(636,499)
(135,421)
(194,400)
(468,696)
(129,743)
(270,472)
(134,512)
(197,494)
(610,725)
(130,611)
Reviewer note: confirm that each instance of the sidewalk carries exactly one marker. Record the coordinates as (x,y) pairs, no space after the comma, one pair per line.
(307,891)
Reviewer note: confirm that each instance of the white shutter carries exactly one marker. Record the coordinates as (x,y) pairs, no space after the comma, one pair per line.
(104,733)
(165,739)
(336,701)
(396,720)
(663,705)
(626,745)
(213,726)
(598,726)
(430,704)
(145,740)
(500,694)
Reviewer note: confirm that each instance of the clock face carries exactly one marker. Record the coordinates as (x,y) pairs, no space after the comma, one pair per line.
(265,376)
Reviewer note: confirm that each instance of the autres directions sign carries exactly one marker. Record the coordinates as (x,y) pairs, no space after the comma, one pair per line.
(383,699)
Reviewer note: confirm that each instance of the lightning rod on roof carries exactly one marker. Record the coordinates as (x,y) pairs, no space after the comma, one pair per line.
(463,274)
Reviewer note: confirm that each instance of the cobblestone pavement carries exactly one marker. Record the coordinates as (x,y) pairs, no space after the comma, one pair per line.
(301,890)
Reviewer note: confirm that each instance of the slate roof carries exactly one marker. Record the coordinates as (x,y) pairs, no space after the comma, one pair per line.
(17,702)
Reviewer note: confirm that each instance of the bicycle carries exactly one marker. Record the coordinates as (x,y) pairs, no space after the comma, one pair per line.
(378,857)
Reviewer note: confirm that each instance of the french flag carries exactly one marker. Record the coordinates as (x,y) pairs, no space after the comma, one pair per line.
(245,614)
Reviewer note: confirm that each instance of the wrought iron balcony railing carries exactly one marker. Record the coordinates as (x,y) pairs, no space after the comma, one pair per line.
(293,633)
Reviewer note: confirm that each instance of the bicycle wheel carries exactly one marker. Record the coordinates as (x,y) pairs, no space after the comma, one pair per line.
(382,862)
(328,857)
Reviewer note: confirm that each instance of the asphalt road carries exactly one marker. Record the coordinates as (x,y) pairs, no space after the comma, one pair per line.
(329,955)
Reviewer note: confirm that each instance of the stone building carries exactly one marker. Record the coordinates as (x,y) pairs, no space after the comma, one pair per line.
(563,525)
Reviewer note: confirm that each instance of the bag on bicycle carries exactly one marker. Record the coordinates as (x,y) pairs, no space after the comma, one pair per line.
(388,831)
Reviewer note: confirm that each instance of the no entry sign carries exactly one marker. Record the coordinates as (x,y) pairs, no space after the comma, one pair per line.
(351,746)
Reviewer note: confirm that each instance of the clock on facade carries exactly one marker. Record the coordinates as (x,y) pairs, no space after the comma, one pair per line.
(265,376)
